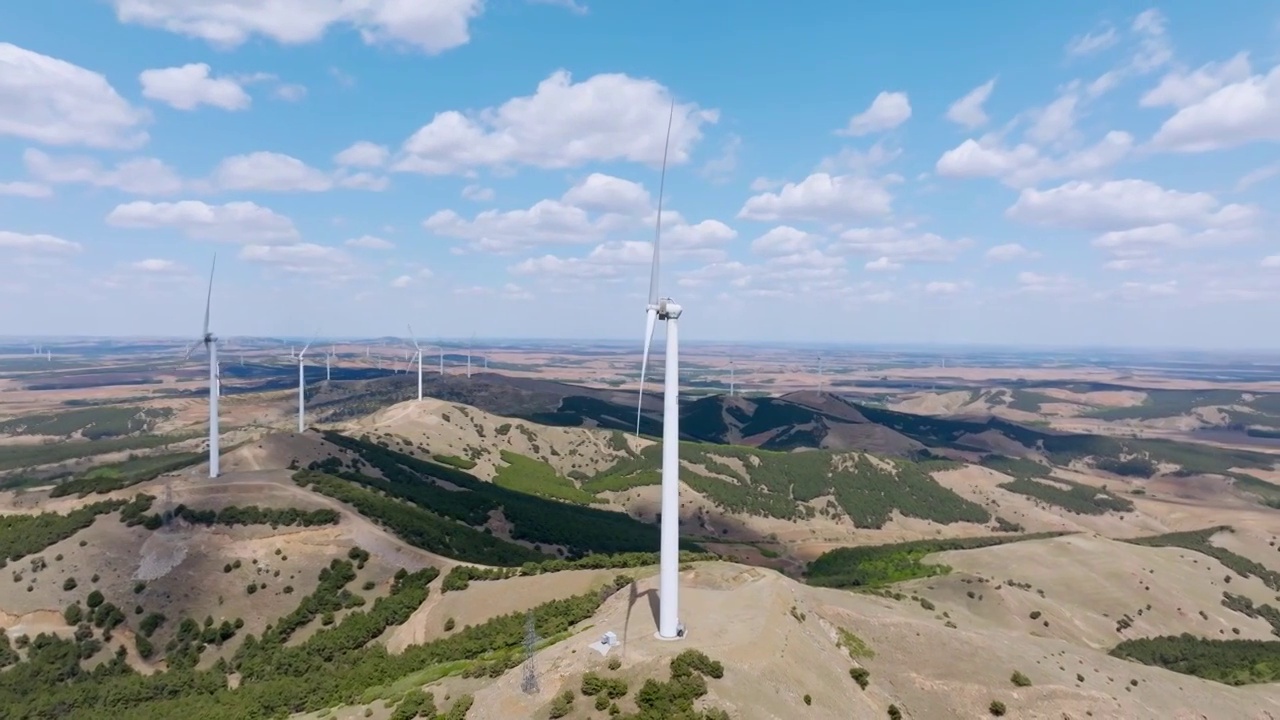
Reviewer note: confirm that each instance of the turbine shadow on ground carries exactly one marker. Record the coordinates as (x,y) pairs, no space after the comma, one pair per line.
(634,596)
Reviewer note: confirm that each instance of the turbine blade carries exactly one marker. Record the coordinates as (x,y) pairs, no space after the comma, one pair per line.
(657,231)
(650,320)
(209,298)
(414,339)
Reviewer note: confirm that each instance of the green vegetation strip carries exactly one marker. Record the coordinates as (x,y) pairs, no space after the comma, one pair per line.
(1198,541)
(1233,662)
(115,476)
(460,577)
(876,565)
(15,457)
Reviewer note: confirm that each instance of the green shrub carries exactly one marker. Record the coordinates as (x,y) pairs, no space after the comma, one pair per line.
(862,676)
(1019,679)
(996,708)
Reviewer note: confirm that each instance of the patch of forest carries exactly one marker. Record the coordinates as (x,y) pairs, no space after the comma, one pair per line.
(536,477)
(875,565)
(1198,541)
(535,519)
(22,535)
(1076,498)
(418,526)
(1233,662)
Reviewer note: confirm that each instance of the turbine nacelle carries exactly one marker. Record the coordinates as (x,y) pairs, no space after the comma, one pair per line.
(667,309)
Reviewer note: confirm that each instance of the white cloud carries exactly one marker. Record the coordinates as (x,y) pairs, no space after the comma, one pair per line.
(1248,180)
(403,281)
(720,168)
(1031,282)
(299,258)
(1123,204)
(432,27)
(363,154)
(1023,165)
(1092,42)
(851,160)
(967,111)
(369,242)
(290,92)
(546,221)
(572,6)
(1235,114)
(563,124)
(821,197)
(243,222)
(39,243)
(882,264)
(140,176)
(477,193)
(361,181)
(608,194)
(1181,88)
(189,86)
(784,240)
(155,265)
(25,189)
(899,245)
(888,110)
(945,287)
(51,101)
(1270,261)
(1154,50)
(1007,252)
(269,171)
(1056,121)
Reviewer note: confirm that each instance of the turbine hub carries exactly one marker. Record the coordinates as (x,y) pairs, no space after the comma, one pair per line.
(668,309)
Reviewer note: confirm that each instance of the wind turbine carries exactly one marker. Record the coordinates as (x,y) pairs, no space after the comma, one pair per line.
(665,309)
(469,343)
(302,388)
(441,346)
(731,379)
(327,357)
(419,348)
(210,342)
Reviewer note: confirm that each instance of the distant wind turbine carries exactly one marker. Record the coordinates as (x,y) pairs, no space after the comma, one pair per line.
(210,342)
(731,379)
(469,344)
(302,388)
(327,358)
(414,338)
(665,309)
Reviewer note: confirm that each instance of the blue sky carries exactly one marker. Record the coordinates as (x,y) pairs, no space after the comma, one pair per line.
(1020,173)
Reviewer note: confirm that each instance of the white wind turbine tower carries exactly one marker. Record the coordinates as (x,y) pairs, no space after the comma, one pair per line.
(327,358)
(302,389)
(731,379)
(210,342)
(469,344)
(665,309)
(419,349)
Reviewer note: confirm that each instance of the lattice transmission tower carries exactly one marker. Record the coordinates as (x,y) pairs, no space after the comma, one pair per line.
(529,683)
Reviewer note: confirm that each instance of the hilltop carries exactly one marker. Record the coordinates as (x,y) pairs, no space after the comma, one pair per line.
(429,528)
